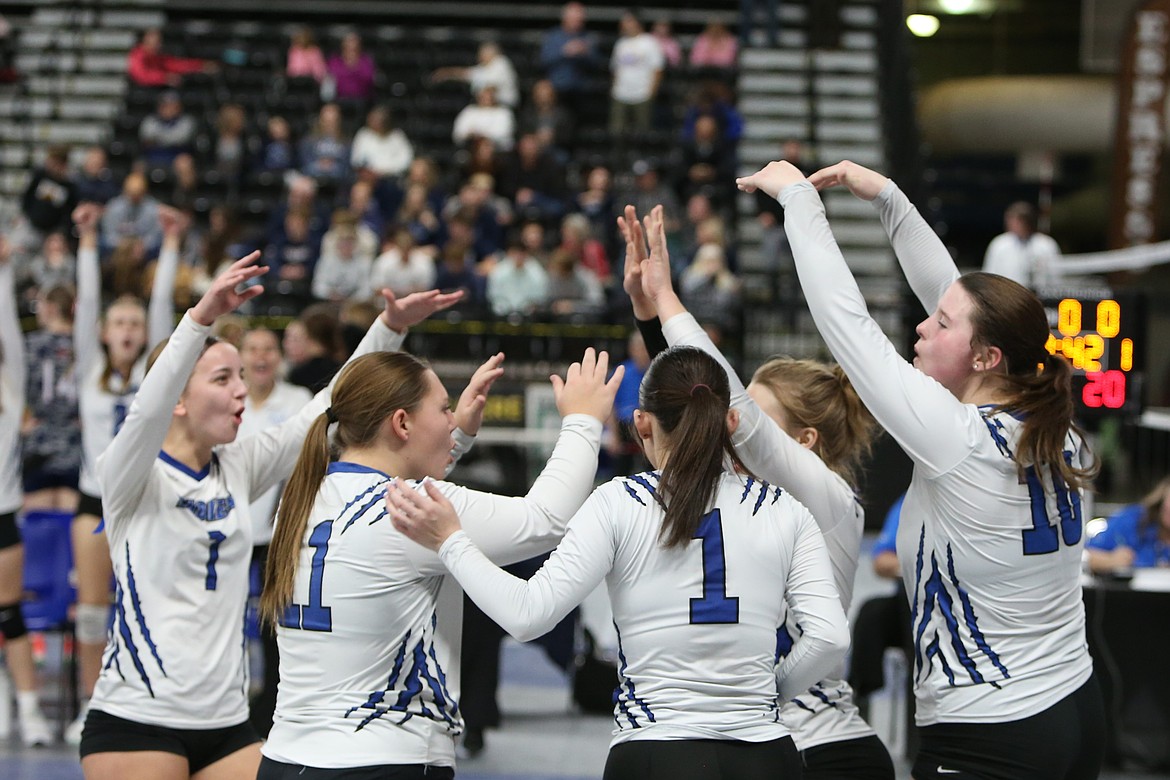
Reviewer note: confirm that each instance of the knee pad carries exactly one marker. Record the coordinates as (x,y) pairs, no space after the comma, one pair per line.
(91,622)
(12,621)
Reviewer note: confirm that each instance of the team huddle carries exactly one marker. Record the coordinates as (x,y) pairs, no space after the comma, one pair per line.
(729,565)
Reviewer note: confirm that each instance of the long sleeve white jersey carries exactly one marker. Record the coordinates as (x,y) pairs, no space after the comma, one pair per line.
(990,561)
(697,624)
(282,403)
(104,410)
(181,541)
(11,393)
(369,648)
(825,712)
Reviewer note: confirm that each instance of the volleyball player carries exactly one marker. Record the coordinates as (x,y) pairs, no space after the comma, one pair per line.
(369,626)
(110,359)
(991,533)
(34,729)
(803,427)
(176,486)
(700,563)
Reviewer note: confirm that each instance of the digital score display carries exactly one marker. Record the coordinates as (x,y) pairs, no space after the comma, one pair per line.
(1103,337)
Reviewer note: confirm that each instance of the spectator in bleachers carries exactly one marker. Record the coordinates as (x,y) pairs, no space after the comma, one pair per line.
(571,288)
(292,254)
(597,204)
(588,253)
(352,71)
(482,157)
(231,143)
(649,191)
(53,266)
(716,99)
(715,47)
(706,164)
(456,269)
(568,53)
(518,283)
(186,182)
(52,429)
(305,57)
(474,204)
(381,148)
(147,66)
(313,347)
(549,120)
(671,50)
(710,291)
(419,218)
(534,181)
(133,214)
(492,69)
(347,257)
(1022,253)
(95,181)
(532,237)
(403,266)
(637,67)
(166,133)
(45,206)
(276,153)
(124,267)
(324,154)
(485,118)
(301,196)
(423,171)
(363,205)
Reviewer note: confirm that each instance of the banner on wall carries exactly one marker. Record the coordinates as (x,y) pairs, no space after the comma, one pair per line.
(1140,134)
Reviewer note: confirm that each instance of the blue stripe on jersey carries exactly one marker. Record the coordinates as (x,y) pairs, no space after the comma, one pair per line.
(760,501)
(783,643)
(345,467)
(441,699)
(358,498)
(747,488)
(943,598)
(141,618)
(969,616)
(932,651)
(914,601)
(995,427)
(631,694)
(821,695)
(776,493)
(127,639)
(442,676)
(376,697)
(803,706)
(642,481)
(633,493)
(113,643)
(190,472)
(380,515)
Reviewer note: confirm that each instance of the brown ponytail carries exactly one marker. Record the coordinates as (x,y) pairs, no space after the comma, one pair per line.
(687,391)
(368,390)
(1009,316)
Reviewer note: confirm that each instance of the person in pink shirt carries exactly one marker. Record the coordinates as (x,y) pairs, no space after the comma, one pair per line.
(304,56)
(715,47)
(671,50)
(352,70)
(147,66)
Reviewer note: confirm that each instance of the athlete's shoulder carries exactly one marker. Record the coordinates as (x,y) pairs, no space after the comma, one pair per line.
(640,489)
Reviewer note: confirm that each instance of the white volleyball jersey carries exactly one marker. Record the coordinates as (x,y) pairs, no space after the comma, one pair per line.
(990,560)
(181,542)
(283,402)
(11,394)
(826,712)
(369,649)
(697,624)
(103,411)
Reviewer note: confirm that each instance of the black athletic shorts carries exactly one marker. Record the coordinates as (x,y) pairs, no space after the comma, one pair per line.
(1064,742)
(105,733)
(9,533)
(702,759)
(89,505)
(277,770)
(864,758)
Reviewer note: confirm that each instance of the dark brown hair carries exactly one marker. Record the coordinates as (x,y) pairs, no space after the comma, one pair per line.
(108,367)
(367,391)
(687,391)
(1008,316)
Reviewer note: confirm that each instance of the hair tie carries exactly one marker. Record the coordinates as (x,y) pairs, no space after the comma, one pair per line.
(330,415)
(697,385)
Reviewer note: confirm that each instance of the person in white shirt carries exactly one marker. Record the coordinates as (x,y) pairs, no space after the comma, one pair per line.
(991,533)
(176,491)
(380,147)
(702,561)
(518,282)
(18,657)
(347,256)
(403,266)
(636,64)
(491,69)
(485,118)
(370,627)
(803,427)
(1022,253)
(110,353)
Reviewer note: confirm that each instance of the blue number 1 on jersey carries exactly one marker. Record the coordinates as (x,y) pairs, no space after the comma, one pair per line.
(313,616)
(1041,538)
(715,606)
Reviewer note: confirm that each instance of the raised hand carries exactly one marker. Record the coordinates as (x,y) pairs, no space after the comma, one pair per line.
(469,410)
(86,217)
(584,390)
(635,254)
(772,178)
(426,519)
(656,268)
(172,221)
(414,308)
(858,179)
(224,294)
